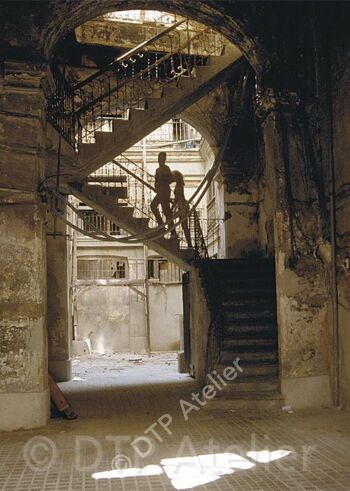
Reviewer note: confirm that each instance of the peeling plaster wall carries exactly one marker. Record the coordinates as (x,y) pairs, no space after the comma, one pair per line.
(200,319)
(23,336)
(301,278)
(241,229)
(23,351)
(303,318)
(341,135)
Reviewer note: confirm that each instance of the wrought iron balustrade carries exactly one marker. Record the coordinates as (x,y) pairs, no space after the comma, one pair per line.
(139,195)
(126,83)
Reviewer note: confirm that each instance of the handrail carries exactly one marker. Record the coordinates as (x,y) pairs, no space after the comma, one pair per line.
(139,75)
(127,55)
(135,176)
(113,90)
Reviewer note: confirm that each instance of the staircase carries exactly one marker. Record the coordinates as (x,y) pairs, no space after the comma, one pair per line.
(241,294)
(116,107)
(106,201)
(172,100)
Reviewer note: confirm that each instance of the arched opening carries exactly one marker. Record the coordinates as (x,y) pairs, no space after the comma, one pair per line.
(239,33)
(113,103)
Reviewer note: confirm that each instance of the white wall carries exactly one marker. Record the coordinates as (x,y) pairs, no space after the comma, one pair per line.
(165,316)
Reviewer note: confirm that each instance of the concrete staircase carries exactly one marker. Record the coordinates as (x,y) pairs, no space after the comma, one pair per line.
(242,293)
(106,201)
(159,107)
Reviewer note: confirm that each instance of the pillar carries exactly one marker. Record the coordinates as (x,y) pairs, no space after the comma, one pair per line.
(24,395)
(239,169)
(302,279)
(59,312)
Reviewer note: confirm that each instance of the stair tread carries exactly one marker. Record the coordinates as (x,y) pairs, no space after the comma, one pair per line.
(274,394)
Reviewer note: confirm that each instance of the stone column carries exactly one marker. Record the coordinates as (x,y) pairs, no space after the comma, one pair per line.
(302,278)
(24,395)
(59,314)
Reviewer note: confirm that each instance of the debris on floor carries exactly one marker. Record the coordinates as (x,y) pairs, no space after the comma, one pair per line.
(60,407)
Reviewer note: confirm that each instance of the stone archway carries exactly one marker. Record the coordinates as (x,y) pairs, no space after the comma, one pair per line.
(65,17)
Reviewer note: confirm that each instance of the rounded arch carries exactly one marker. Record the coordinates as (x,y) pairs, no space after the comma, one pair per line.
(66,16)
(201,128)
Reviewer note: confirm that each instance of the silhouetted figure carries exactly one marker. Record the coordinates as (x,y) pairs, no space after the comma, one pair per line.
(163,178)
(181,205)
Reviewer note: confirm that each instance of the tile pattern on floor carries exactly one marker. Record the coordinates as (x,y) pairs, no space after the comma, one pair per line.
(118,397)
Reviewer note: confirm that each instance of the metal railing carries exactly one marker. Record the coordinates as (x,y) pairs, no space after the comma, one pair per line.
(139,195)
(126,83)
(142,16)
(175,133)
(101,222)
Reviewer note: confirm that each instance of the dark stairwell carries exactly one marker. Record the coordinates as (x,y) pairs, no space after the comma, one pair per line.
(241,294)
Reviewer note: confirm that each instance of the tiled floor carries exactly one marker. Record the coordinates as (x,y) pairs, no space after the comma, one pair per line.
(119,397)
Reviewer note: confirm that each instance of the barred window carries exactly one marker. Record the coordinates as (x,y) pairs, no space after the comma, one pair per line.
(102,268)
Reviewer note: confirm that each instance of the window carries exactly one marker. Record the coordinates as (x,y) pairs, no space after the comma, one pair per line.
(102,268)
(101,222)
(164,271)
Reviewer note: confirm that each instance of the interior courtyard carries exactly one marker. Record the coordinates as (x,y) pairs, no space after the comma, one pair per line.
(175,245)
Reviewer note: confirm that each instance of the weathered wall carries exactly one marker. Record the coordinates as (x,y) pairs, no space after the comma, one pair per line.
(23,341)
(59,315)
(23,338)
(114,316)
(104,311)
(200,319)
(301,278)
(242,234)
(165,302)
(209,115)
(341,137)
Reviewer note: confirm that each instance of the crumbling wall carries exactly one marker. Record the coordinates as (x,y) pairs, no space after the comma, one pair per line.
(341,135)
(241,228)
(200,319)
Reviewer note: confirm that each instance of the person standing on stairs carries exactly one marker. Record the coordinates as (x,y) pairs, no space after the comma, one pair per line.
(181,205)
(163,178)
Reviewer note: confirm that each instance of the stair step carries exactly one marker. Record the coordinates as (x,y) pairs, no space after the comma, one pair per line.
(116,192)
(140,114)
(104,138)
(250,344)
(248,304)
(252,370)
(119,125)
(248,294)
(250,332)
(254,386)
(246,316)
(115,179)
(238,349)
(237,402)
(143,222)
(249,358)
(238,262)
(272,394)
(240,282)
